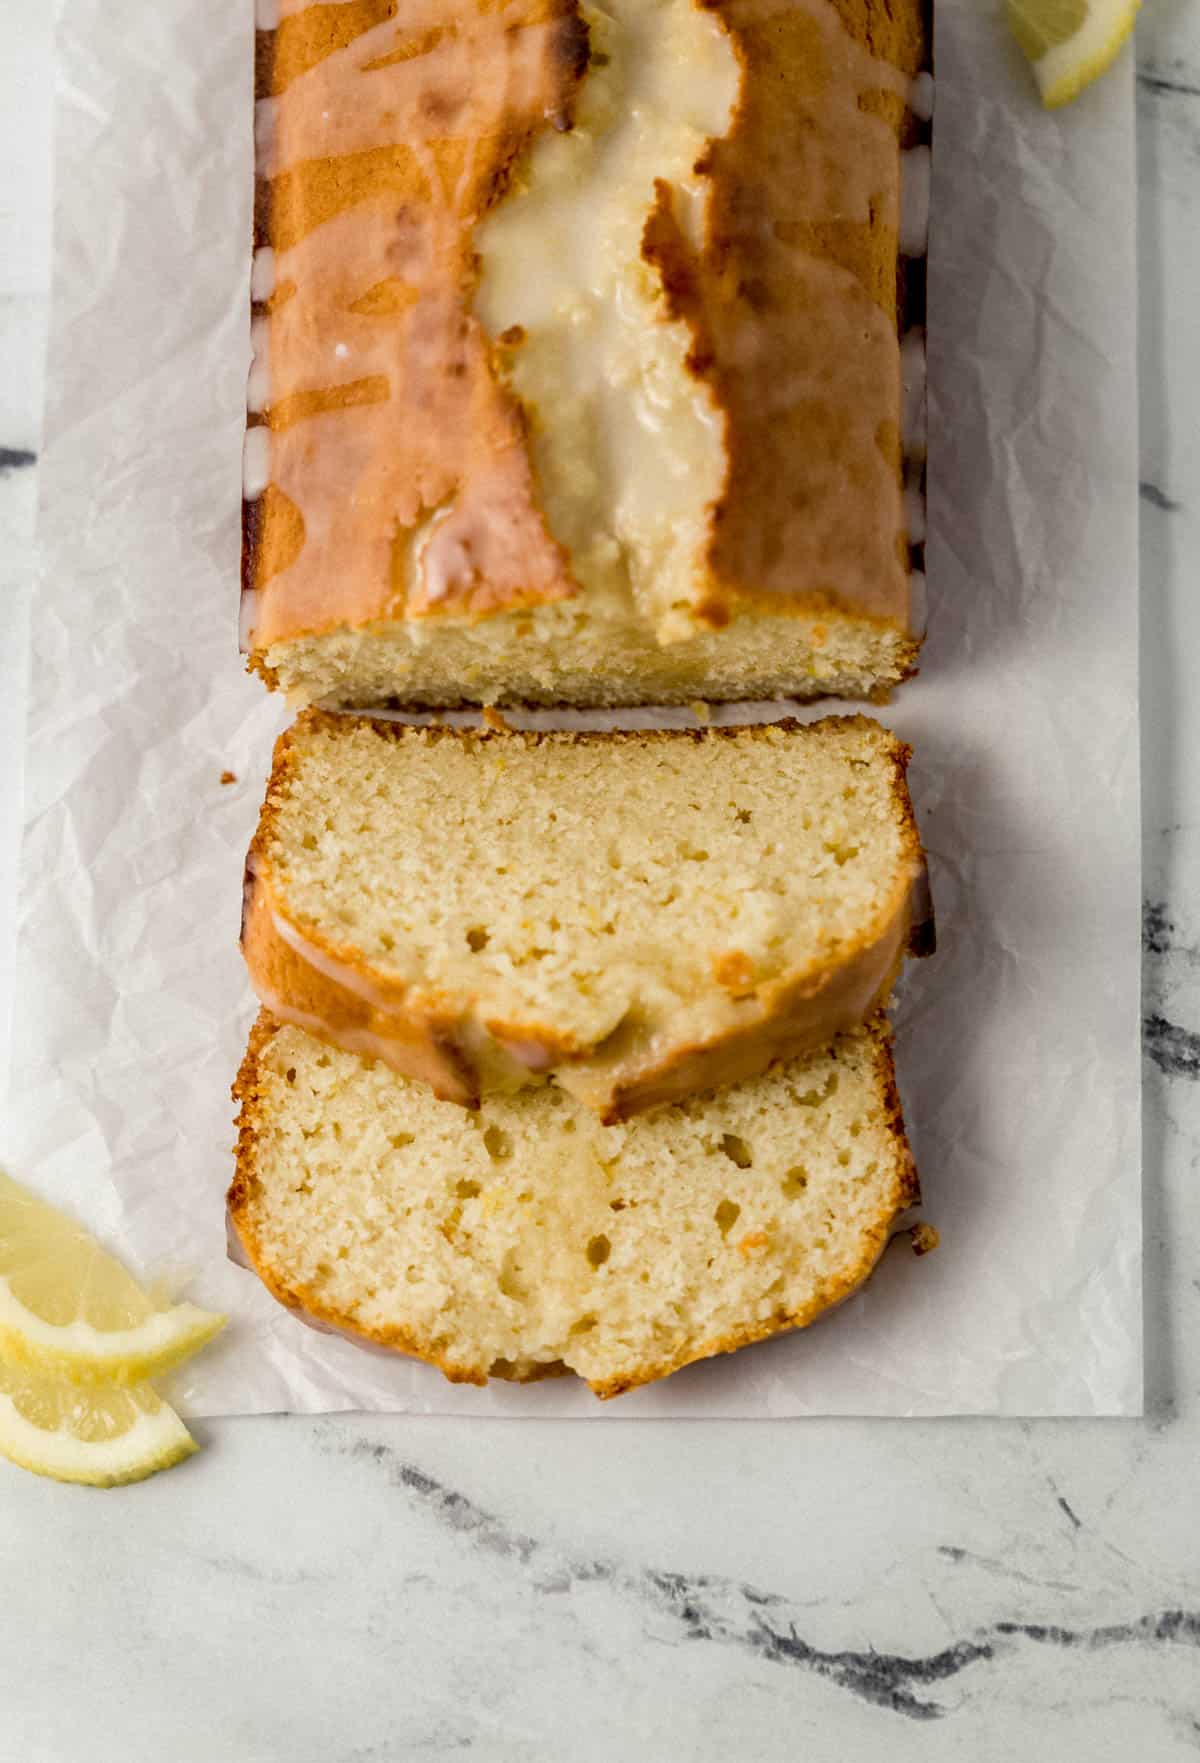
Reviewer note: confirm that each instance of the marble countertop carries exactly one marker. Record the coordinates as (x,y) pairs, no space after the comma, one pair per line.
(385,1589)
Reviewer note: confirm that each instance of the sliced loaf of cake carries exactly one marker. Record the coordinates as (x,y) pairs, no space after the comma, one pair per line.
(528,1238)
(642,915)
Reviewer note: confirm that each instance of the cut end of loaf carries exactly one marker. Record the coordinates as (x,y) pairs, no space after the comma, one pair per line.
(580,655)
(527,1237)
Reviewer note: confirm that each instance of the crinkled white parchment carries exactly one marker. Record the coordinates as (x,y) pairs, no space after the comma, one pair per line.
(1018,1043)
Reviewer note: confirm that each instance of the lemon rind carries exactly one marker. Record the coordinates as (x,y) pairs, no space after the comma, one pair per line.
(1063,72)
(81,1354)
(154,1442)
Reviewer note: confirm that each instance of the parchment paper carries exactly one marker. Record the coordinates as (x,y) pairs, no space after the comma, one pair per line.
(1018,1042)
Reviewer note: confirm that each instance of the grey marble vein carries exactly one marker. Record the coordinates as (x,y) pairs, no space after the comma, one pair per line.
(1005,1570)
(1157,498)
(242,1567)
(715,1609)
(1170,1046)
(1158,928)
(1065,1506)
(1173,1049)
(1161,936)
(1163,86)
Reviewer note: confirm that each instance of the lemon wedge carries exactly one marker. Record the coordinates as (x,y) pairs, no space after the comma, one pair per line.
(1070,43)
(69,1310)
(98,1436)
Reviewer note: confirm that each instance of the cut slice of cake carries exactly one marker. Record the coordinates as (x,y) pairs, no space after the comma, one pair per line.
(577,351)
(528,1238)
(640,914)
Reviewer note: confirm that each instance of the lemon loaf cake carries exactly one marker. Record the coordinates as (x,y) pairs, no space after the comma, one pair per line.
(577,335)
(528,1238)
(641,914)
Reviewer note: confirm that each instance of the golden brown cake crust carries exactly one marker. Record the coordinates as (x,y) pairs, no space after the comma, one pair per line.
(792,302)
(311,1307)
(794,314)
(330,992)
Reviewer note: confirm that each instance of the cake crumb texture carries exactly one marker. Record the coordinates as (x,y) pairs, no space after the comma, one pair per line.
(526,1238)
(641,914)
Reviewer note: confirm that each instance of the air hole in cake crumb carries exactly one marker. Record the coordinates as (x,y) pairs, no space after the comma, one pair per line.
(744,816)
(584,1325)
(398,1140)
(497,1143)
(843,1159)
(794,1183)
(309,841)
(616,1205)
(691,853)
(727,1215)
(598,1251)
(737,1150)
(841,854)
(467,1190)
(477,939)
(387,941)
(855,1128)
(509,1279)
(290,1074)
(814,1098)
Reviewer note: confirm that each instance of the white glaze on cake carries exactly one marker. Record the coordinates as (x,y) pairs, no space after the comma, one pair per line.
(256,462)
(627,445)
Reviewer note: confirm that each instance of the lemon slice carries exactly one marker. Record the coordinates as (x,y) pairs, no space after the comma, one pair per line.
(67,1309)
(99,1436)
(1070,43)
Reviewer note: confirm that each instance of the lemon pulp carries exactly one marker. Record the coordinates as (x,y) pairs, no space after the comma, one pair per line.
(1070,43)
(69,1309)
(97,1435)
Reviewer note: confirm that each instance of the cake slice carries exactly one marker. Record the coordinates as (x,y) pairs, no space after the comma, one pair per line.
(640,914)
(577,331)
(528,1238)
